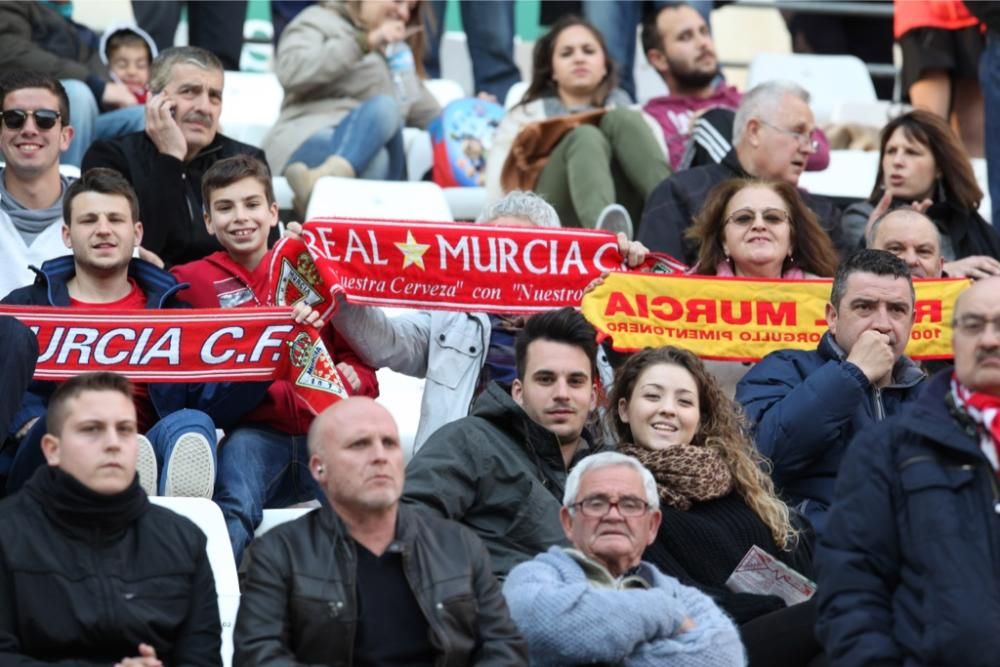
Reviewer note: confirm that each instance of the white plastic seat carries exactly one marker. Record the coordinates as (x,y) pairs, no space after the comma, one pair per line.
(465,203)
(850,174)
(830,80)
(276,517)
(445,90)
(206,515)
(251,105)
(514,94)
(357,197)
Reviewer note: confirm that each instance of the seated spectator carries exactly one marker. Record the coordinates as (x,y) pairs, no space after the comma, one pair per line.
(365,580)
(773,136)
(759,229)
(459,353)
(598,174)
(128,50)
(34,128)
(911,236)
(501,470)
(263,461)
(907,565)
(923,165)
(597,602)
(351,73)
(718,503)
(17,365)
(165,163)
(102,229)
(34,37)
(806,406)
(90,571)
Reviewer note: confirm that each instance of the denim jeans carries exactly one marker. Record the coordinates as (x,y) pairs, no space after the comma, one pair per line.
(618,22)
(489,31)
(989,81)
(89,124)
(163,435)
(260,468)
(370,138)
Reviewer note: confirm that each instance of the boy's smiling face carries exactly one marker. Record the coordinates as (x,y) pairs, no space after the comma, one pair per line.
(241,218)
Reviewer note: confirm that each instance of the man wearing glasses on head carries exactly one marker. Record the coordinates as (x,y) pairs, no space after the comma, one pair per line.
(598,602)
(774,134)
(34,129)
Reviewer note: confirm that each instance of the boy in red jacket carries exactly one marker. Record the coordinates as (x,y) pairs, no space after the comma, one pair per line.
(264,462)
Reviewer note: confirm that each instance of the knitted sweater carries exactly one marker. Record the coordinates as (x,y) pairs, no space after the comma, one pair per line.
(573,611)
(703,545)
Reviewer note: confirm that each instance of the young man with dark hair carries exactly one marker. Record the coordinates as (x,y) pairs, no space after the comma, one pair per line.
(262,463)
(807,405)
(102,231)
(501,470)
(166,162)
(34,129)
(90,571)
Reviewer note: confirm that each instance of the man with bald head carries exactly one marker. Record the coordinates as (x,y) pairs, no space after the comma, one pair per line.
(907,564)
(366,581)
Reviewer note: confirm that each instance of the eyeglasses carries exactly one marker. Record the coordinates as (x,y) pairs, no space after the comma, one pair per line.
(745,217)
(597,507)
(975,325)
(45,119)
(807,139)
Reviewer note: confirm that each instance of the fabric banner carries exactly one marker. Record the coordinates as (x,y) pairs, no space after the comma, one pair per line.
(741,319)
(443,265)
(211,345)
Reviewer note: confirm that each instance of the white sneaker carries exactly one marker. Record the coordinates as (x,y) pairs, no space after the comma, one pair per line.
(190,470)
(614,218)
(145,466)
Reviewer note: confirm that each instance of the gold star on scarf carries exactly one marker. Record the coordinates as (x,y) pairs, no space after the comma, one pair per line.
(413,252)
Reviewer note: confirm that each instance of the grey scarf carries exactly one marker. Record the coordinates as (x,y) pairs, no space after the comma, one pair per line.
(30,222)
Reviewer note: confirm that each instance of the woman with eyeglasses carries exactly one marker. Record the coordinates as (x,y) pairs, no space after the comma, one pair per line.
(717,502)
(922,164)
(599,173)
(758,229)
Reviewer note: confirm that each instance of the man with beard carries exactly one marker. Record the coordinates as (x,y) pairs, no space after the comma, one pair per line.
(678,44)
(166,161)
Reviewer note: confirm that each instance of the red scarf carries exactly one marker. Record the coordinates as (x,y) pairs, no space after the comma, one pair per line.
(983,409)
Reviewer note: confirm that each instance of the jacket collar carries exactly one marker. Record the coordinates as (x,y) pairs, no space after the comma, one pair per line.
(932,419)
(157,284)
(905,373)
(732,162)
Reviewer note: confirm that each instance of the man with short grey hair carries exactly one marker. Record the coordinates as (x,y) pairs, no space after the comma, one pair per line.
(911,236)
(166,161)
(598,602)
(773,137)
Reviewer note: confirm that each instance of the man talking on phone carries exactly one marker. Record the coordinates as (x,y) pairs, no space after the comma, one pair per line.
(165,162)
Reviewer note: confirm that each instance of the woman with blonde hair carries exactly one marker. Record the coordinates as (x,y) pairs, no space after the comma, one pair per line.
(667,411)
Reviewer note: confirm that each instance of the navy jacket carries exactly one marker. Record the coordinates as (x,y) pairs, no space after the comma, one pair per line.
(805,408)
(909,565)
(224,402)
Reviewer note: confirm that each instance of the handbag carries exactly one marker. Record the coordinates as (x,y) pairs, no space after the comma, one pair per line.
(534,143)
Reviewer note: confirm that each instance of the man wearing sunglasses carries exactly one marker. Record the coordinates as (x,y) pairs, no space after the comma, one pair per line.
(598,602)
(34,129)
(166,161)
(773,138)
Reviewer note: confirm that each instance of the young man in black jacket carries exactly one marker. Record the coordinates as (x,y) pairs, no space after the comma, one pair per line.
(365,580)
(90,571)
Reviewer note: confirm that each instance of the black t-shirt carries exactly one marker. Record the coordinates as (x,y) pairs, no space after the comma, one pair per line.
(392,630)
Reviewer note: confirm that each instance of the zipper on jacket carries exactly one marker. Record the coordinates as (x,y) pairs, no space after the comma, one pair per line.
(879,407)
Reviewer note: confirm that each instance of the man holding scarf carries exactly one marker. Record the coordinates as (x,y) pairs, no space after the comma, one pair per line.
(908,563)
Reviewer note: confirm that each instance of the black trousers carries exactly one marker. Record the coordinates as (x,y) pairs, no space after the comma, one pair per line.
(784,638)
(216,26)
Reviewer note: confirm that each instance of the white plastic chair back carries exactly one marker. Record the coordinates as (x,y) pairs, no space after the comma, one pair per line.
(251,103)
(830,80)
(403,200)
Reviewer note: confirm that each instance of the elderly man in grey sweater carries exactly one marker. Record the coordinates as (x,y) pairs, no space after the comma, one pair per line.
(597,602)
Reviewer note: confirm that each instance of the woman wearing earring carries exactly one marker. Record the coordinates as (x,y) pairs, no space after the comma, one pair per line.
(758,229)
(616,158)
(922,164)
(716,500)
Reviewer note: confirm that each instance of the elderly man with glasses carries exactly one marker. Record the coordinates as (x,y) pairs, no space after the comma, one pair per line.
(598,602)
(908,564)
(774,134)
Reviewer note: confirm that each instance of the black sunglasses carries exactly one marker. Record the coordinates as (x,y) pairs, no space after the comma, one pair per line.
(45,119)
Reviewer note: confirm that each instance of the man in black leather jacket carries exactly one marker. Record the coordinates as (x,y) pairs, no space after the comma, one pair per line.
(367,581)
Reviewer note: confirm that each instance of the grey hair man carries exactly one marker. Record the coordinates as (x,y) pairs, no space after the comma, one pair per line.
(449,349)
(165,162)
(597,601)
(773,137)
(394,586)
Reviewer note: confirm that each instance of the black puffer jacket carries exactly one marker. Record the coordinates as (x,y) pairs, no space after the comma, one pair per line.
(299,601)
(85,578)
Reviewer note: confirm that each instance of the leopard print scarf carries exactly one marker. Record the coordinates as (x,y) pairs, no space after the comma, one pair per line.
(685,474)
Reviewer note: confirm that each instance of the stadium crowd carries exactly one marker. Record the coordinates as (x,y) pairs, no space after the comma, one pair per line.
(565,502)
